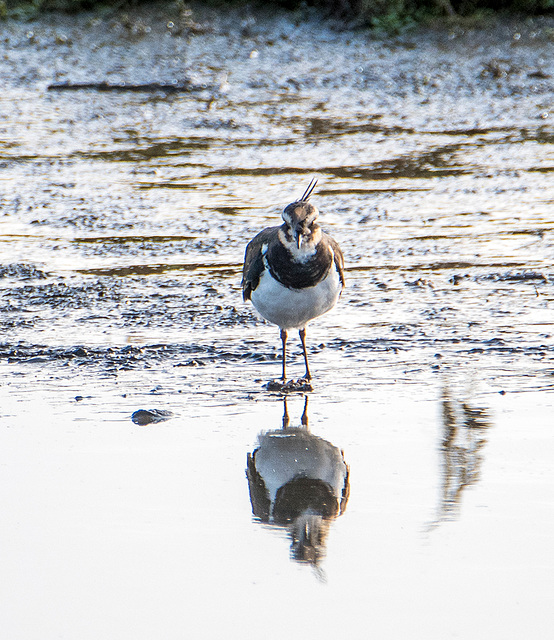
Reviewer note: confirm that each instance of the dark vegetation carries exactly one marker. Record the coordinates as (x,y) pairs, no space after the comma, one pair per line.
(377,13)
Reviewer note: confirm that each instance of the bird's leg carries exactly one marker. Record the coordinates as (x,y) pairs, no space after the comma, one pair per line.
(286,419)
(302,334)
(284,341)
(304,418)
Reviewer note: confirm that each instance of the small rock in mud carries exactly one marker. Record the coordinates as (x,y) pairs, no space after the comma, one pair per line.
(420,282)
(150,416)
(191,363)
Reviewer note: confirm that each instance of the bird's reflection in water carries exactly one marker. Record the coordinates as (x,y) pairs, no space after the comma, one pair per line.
(298,482)
(464,436)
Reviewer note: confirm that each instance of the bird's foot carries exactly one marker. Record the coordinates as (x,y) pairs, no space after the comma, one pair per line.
(289,386)
(303,384)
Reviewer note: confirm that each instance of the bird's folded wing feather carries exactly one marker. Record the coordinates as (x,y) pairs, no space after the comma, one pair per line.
(339,258)
(253,261)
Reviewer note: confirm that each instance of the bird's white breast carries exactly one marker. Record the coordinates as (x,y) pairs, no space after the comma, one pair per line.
(284,455)
(294,308)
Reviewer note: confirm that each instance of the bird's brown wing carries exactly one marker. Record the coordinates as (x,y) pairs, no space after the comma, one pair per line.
(259,497)
(345,490)
(253,261)
(339,258)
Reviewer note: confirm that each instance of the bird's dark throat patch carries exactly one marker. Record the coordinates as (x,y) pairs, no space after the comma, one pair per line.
(298,275)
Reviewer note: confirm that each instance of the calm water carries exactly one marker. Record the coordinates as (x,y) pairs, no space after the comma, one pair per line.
(124,217)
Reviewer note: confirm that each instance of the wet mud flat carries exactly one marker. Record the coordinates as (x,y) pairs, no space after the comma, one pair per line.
(139,153)
(126,212)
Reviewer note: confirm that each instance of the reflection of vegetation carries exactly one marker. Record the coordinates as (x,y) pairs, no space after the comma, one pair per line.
(389,15)
(464,435)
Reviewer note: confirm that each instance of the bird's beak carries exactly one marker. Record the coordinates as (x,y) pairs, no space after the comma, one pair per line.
(298,237)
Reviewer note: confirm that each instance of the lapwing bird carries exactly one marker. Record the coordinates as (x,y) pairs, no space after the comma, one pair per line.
(299,482)
(293,273)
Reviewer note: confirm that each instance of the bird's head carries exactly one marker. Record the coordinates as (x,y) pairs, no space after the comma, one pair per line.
(309,533)
(301,218)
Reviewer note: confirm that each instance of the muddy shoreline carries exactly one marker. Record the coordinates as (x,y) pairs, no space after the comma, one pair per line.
(128,205)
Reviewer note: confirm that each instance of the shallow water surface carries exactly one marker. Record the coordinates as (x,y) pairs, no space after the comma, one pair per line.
(423,491)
